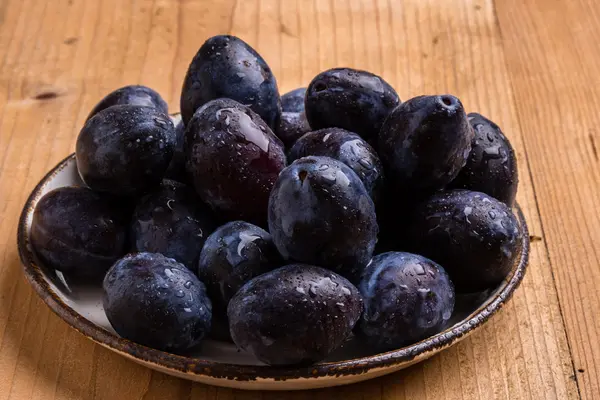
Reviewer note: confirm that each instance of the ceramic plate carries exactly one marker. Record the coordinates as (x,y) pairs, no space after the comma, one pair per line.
(220,363)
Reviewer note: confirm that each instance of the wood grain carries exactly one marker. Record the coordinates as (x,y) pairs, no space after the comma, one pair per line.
(526,65)
(557,89)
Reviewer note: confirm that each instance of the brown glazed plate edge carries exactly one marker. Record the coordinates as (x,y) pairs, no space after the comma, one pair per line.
(187,365)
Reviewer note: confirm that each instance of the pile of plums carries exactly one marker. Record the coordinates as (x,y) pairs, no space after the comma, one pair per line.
(283,223)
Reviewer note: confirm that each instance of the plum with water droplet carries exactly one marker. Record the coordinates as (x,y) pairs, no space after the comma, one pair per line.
(320,213)
(346,147)
(157,302)
(293,101)
(293,123)
(226,66)
(173,221)
(297,314)
(475,237)
(137,95)
(406,297)
(492,165)
(291,127)
(125,150)
(176,169)
(233,160)
(423,144)
(347,98)
(232,255)
(79,232)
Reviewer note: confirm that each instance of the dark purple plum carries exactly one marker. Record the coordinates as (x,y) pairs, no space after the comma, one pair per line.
(125,150)
(424,143)
(296,314)
(406,297)
(136,95)
(226,66)
(346,147)
(79,232)
(492,164)
(172,221)
(293,101)
(475,237)
(293,123)
(157,302)
(351,99)
(320,213)
(232,255)
(176,170)
(233,159)
(291,127)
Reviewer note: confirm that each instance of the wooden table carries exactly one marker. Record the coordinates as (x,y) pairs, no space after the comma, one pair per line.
(531,66)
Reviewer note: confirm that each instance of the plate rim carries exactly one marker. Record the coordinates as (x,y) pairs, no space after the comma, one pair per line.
(213,369)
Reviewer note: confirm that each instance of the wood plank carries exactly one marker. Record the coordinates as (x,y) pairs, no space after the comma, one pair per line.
(552,63)
(419,47)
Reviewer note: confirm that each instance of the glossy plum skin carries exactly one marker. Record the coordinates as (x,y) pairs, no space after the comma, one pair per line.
(407,298)
(176,169)
(157,302)
(293,123)
(125,150)
(475,237)
(293,101)
(172,221)
(291,127)
(424,143)
(79,232)
(296,314)
(347,147)
(227,67)
(320,213)
(492,164)
(355,100)
(233,160)
(232,255)
(134,95)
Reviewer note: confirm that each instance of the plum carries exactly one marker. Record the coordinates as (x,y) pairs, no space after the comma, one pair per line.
(492,165)
(320,213)
(137,95)
(424,143)
(475,237)
(356,100)
(293,101)
(291,127)
(226,66)
(125,150)
(346,147)
(79,232)
(296,314)
(233,159)
(406,297)
(172,221)
(157,302)
(232,255)
(293,123)
(176,169)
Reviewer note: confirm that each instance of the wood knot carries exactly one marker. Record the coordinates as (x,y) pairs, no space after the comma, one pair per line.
(46,95)
(70,40)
